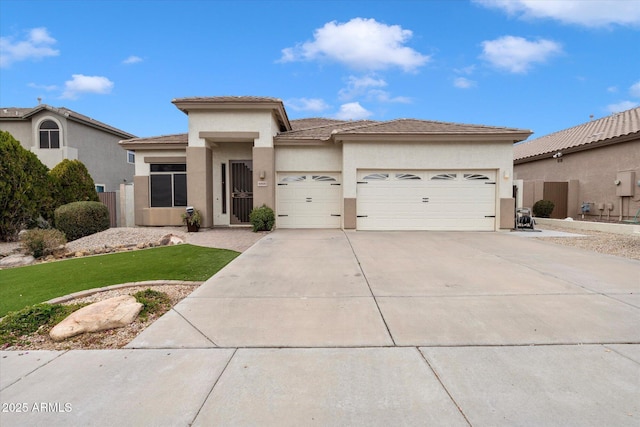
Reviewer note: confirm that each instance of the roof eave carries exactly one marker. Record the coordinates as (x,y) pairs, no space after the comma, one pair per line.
(433,137)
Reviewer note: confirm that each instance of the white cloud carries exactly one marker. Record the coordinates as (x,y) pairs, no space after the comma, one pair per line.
(361,43)
(369,88)
(621,106)
(634,90)
(307,104)
(358,86)
(612,89)
(86,84)
(36,46)
(352,111)
(48,88)
(591,13)
(463,83)
(132,60)
(384,96)
(466,70)
(516,54)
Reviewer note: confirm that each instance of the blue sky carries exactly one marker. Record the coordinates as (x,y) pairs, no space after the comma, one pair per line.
(532,64)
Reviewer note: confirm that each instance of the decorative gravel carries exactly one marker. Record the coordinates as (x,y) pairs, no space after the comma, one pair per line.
(624,245)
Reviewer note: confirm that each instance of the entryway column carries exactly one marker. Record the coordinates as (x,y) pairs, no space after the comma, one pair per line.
(200,182)
(264,177)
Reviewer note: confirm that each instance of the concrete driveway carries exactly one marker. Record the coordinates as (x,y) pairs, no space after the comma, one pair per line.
(329,327)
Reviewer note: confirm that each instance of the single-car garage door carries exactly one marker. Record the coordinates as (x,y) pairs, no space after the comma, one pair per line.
(308,200)
(426,200)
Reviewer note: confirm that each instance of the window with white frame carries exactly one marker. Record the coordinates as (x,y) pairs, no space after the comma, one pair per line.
(131,157)
(168,185)
(100,188)
(49,134)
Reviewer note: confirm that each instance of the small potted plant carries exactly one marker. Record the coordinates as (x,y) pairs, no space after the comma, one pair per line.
(192,218)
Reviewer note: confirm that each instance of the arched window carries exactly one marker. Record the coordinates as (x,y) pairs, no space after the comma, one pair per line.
(49,134)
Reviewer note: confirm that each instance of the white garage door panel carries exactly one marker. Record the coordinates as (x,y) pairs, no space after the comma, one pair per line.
(454,200)
(309,201)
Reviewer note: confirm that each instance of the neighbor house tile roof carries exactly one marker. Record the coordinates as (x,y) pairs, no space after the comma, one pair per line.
(10,113)
(592,134)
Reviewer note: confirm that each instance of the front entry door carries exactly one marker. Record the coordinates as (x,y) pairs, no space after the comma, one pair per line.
(241,190)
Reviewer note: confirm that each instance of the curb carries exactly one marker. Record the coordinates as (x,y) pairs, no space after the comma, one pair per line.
(89,292)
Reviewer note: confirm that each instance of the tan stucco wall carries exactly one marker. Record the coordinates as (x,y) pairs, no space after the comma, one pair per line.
(350,220)
(200,183)
(595,170)
(313,158)
(263,163)
(262,122)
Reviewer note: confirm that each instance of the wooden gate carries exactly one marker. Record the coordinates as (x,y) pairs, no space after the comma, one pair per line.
(558,193)
(109,199)
(242,190)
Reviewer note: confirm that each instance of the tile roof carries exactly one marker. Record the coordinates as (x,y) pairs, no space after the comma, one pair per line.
(588,135)
(414,126)
(24,113)
(178,138)
(323,129)
(312,122)
(207,99)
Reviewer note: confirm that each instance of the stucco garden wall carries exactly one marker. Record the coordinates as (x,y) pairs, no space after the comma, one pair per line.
(595,170)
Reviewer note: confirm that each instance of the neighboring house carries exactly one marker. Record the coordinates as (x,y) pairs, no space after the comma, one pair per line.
(54,134)
(243,152)
(595,165)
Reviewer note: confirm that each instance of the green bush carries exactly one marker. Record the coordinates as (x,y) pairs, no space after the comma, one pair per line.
(153,302)
(543,208)
(16,324)
(262,218)
(73,183)
(79,219)
(40,242)
(25,188)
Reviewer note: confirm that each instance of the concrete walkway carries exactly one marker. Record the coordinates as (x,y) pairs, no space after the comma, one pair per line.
(327,327)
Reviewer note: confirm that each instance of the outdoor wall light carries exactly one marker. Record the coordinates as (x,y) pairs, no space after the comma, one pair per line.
(262,174)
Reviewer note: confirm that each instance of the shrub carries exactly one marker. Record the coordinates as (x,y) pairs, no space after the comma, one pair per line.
(16,324)
(25,187)
(39,242)
(543,208)
(153,302)
(262,218)
(73,183)
(79,219)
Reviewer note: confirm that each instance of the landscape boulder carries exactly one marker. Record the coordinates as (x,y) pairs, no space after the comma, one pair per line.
(108,314)
(16,260)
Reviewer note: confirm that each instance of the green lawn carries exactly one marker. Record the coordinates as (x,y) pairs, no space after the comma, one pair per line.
(23,286)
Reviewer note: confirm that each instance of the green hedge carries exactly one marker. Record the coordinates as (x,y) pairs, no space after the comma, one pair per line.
(79,219)
(543,208)
(262,218)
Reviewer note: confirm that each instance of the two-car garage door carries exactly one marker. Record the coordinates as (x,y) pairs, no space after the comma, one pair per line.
(426,200)
(391,200)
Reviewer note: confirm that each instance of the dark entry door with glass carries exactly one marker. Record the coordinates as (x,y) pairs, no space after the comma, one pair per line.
(241,190)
